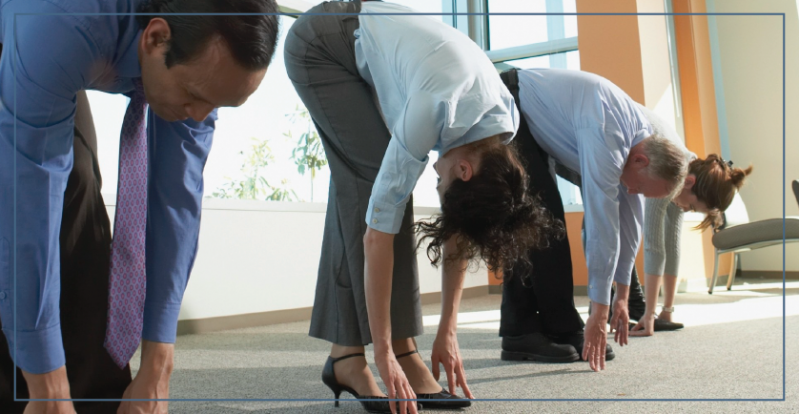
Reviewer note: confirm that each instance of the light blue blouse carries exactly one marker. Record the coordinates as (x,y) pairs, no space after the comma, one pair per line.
(437,91)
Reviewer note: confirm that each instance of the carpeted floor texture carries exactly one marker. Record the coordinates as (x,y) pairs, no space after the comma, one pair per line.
(731,349)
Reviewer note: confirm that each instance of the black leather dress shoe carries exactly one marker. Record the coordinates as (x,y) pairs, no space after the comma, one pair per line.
(577,340)
(537,347)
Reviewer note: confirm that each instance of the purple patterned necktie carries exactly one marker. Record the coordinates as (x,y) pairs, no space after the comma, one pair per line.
(127,278)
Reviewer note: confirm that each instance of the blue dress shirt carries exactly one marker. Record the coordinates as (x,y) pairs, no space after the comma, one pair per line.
(437,91)
(46,60)
(589,125)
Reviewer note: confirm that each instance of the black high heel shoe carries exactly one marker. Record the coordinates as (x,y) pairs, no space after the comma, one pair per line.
(447,400)
(329,378)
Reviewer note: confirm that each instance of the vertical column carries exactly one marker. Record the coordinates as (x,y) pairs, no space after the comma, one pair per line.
(610,46)
(698,100)
(696,78)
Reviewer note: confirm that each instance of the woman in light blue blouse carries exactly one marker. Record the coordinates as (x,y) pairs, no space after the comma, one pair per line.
(384,91)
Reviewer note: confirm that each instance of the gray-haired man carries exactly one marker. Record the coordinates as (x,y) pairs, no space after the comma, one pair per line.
(590,126)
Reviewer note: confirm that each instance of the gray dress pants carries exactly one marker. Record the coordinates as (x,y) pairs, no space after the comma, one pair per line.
(320,61)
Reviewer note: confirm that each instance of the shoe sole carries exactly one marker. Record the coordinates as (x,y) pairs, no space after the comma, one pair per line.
(668,326)
(523,356)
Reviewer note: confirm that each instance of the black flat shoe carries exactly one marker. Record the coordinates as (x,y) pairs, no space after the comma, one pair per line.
(445,400)
(661,325)
(329,378)
(448,401)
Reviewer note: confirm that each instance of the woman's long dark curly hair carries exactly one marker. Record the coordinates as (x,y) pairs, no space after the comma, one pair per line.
(492,215)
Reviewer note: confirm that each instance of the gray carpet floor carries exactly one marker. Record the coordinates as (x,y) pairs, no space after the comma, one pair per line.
(731,348)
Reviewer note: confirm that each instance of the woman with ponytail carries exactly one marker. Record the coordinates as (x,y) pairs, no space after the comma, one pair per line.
(709,188)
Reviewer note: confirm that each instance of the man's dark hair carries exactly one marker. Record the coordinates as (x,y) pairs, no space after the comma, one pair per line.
(251,39)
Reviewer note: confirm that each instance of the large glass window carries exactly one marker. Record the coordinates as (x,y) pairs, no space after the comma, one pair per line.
(424,6)
(565,60)
(536,41)
(507,31)
(266,149)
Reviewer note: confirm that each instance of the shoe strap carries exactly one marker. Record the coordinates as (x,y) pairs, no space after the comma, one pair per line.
(415,351)
(348,356)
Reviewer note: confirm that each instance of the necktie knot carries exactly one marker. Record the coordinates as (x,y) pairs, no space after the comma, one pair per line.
(138,87)
(138,99)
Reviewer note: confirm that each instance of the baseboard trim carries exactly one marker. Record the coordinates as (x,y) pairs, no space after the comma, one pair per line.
(693,285)
(468,293)
(769,274)
(578,290)
(250,320)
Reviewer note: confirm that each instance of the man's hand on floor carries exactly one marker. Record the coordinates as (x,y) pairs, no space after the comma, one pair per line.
(151,382)
(52,385)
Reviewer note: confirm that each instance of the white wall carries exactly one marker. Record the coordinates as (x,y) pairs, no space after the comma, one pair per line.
(751,64)
(259,256)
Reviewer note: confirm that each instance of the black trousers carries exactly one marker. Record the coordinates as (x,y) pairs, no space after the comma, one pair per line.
(85,254)
(541,298)
(636,301)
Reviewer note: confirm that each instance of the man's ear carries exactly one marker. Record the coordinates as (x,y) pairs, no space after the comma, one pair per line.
(464,170)
(640,160)
(156,36)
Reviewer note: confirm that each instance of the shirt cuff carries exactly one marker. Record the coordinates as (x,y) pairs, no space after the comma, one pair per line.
(654,262)
(38,352)
(385,217)
(599,293)
(161,323)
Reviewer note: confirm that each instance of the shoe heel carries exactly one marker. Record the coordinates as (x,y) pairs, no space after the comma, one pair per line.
(336,394)
(329,379)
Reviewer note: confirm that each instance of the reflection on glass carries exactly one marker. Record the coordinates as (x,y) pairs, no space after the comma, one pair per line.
(557,60)
(424,6)
(509,31)
(570,22)
(268,148)
(569,193)
(519,30)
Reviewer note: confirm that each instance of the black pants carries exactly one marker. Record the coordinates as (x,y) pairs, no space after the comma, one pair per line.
(85,254)
(541,298)
(636,301)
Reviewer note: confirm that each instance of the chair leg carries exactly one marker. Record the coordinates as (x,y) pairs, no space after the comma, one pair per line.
(715,273)
(731,277)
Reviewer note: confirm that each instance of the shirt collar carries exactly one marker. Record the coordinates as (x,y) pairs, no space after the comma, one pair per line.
(128,64)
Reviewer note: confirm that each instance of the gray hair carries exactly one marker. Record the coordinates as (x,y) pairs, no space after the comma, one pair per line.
(667,161)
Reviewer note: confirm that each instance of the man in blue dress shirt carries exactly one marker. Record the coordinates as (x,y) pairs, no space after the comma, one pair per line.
(592,128)
(52,50)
